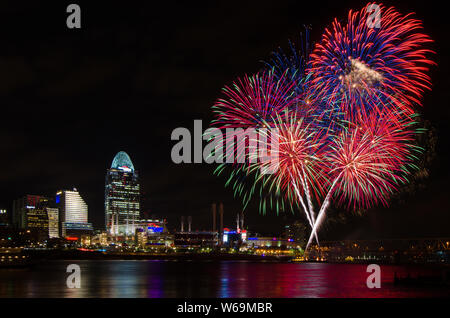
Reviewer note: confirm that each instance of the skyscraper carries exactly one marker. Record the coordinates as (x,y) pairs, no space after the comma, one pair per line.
(122,193)
(30,212)
(73,213)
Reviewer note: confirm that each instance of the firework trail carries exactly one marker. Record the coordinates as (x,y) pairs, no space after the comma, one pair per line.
(300,162)
(317,114)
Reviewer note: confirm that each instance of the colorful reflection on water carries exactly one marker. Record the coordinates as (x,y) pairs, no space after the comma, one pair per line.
(155,279)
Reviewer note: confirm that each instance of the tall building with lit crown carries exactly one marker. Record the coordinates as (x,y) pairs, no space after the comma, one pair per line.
(122,195)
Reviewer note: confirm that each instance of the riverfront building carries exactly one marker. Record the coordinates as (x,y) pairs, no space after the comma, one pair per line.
(30,213)
(73,213)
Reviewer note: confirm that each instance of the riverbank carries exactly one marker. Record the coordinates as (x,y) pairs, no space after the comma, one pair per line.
(39,255)
(95,255)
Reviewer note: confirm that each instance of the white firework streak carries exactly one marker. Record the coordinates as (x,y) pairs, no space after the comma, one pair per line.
(304,206)
(308,198)
(321,214)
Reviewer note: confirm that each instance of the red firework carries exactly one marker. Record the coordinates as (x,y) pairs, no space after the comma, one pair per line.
(254,100)
(368,161)
(299,156)
(363,68)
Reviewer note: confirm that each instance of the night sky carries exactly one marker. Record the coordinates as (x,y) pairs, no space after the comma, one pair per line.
(72,98)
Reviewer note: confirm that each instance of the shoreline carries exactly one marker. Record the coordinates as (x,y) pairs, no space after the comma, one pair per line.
(214,257)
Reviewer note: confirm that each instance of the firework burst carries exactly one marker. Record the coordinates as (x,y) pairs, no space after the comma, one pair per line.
(362,68)
(253,100)
(292,63)
(299,158)
(368,161)
(343,117)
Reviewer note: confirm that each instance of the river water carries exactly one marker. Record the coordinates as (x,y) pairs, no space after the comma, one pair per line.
(154,279)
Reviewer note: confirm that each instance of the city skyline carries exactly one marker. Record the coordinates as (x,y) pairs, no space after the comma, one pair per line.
(161,78)
(224,156)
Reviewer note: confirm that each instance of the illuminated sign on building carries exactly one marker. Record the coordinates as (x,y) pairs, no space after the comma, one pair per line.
(244,235)
(125,169)
(155,228)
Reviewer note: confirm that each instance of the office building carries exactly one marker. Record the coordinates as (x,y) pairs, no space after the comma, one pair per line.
(73,214)
(30,212)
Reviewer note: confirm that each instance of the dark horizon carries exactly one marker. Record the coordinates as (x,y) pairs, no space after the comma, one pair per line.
(72,99)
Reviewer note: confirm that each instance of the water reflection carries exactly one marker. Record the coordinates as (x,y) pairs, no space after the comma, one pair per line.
(156,279)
